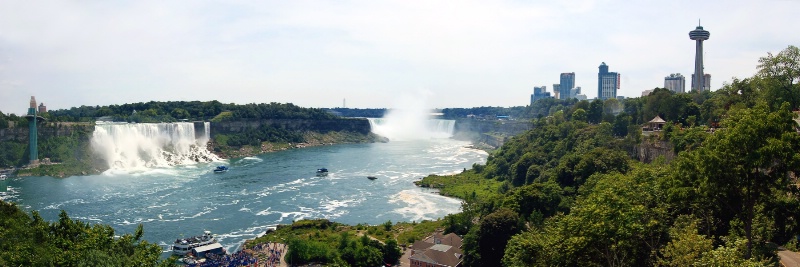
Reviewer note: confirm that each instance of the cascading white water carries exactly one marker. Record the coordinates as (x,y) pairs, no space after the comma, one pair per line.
(404,129)
(411,120)
(147,145)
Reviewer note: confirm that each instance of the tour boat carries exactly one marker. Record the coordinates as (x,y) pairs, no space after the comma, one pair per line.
(322,172)
(184,245)
(221,169)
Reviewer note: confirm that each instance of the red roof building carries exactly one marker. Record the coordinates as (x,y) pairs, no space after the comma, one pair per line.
(437,251)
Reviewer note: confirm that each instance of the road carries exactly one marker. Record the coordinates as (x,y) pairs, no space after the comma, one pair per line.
(789,258)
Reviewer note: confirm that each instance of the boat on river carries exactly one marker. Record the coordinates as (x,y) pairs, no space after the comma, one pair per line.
(221,169)
(185,245)
(322,172)
(372,177)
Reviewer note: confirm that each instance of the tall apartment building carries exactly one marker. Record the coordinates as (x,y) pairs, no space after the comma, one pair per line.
(675,82)
(566,85)
(607,83)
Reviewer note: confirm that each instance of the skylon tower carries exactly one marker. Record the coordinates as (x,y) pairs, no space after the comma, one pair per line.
(699,35)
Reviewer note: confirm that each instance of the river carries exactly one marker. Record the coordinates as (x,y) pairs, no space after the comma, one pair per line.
(269,189)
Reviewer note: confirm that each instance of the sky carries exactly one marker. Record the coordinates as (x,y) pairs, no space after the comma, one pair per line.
(320,54)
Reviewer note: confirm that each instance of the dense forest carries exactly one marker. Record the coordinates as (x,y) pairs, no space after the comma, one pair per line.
(29,240)
(569,192)
(485,112)
(187,110)
(359,112)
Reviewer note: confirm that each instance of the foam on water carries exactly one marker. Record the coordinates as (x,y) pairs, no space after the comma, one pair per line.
(9,193)
(421,205)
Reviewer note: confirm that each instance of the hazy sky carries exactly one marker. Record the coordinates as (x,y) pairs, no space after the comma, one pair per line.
(317,53)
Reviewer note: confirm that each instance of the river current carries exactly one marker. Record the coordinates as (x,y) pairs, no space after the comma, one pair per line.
(257,192)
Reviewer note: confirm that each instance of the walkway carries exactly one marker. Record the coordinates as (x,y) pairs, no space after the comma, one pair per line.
(789,258)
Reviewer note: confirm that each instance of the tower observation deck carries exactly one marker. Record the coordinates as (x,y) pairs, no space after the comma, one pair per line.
(699,35)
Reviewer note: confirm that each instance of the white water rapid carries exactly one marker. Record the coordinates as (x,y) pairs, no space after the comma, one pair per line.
(127,146)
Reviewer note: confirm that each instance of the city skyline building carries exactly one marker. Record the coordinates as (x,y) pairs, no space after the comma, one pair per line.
(566,85)
(607,83)
(556,90)
(699,35)
(706,86)
(675,82)
(576,93)
(539,92)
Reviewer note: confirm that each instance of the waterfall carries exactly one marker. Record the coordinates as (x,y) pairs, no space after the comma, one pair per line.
(444,126)
(410,129)
(147,145)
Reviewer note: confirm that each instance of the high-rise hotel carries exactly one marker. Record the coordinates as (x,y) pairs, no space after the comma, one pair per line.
(566,85)
(675,82)
(607,83)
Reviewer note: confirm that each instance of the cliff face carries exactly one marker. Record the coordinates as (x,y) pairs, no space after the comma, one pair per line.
(46,130)
(497,126)
(322,126)
(489,132)
(61,129)
(648,151)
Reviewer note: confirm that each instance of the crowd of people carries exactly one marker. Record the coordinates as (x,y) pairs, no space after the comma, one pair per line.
(270,254)
(238,259)
(260,255)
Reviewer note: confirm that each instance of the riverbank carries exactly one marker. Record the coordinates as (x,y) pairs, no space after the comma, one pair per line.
(320,241)
(318,233)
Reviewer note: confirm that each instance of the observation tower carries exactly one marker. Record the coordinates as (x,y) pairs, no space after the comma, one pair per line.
(33,144)
(699,35)
(32,134)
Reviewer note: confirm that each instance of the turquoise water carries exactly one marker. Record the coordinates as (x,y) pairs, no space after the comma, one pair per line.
(257,192)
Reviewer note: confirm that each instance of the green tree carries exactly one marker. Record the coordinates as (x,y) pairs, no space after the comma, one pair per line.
(579,115)
(391,252)
(179,113)
(782,71)
(490,239)
(31,241)
(621,123)
(595,112)
(739,166)
(686,247)
(618,221)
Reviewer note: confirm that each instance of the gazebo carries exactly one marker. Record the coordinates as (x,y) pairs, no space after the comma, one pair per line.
(655,124)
